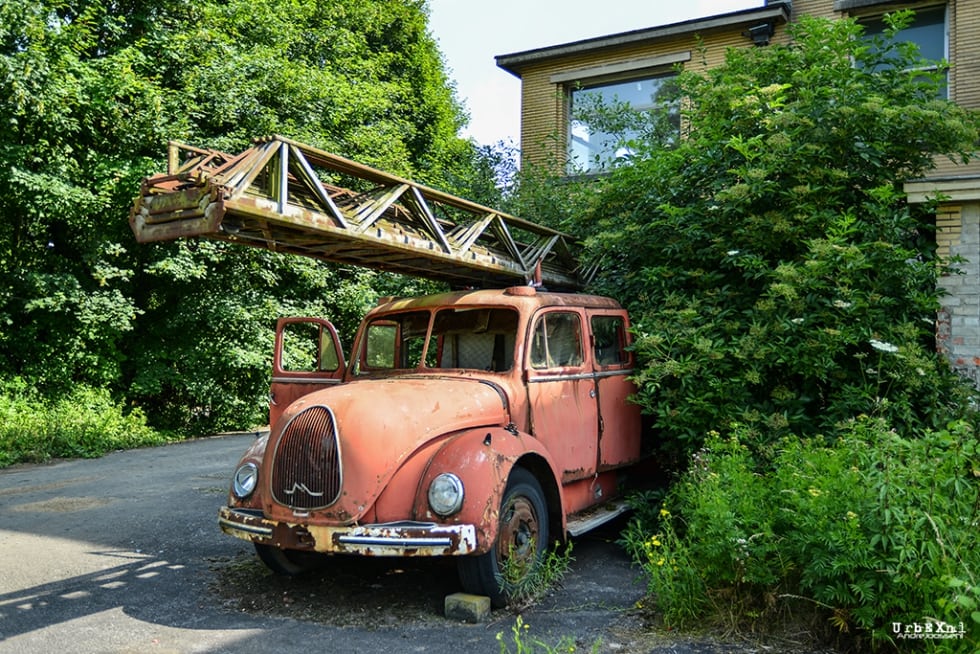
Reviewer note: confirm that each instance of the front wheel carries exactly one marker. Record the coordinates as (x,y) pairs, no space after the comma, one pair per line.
(522,539)
(289,563)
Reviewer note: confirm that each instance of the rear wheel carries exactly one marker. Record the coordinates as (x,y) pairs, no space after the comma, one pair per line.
(522,539)
(289,563)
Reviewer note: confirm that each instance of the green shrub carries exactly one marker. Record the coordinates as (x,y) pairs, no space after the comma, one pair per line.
(776,274)
(85,423)
(870,531)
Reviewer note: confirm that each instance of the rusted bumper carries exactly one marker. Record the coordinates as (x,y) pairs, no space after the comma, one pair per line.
(406,538)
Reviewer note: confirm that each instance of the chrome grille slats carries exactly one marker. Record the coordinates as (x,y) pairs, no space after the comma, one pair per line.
(306,471)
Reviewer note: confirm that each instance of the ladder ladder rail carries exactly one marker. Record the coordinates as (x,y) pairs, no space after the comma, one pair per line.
(281,195)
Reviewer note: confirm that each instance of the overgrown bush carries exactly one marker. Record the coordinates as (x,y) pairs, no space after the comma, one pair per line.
(86,422)
(784,297)
(769,257)
(871,533)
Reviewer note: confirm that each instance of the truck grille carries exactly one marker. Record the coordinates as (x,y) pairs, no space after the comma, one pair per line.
(306,472)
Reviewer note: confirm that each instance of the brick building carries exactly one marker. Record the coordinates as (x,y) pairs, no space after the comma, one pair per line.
(634,65)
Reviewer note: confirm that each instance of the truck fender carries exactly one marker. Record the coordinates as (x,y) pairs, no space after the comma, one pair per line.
(483,459)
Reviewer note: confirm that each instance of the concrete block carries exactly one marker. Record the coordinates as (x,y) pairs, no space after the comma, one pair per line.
(467,608)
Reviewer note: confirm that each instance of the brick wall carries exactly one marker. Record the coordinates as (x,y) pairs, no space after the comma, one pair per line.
(958,323)
(544,103)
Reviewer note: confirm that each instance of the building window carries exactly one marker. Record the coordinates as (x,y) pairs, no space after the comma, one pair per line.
(927,30)
(605,118)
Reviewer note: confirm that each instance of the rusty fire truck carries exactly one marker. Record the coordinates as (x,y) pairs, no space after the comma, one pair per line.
(479,424)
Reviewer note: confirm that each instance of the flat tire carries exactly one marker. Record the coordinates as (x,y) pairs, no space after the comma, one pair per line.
(522,534)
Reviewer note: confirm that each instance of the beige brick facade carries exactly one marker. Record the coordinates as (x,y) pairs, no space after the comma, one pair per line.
(548,74)
(545,83)
(948,229)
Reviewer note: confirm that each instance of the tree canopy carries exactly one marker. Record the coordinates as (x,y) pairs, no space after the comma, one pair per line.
(784,295)
(90,93)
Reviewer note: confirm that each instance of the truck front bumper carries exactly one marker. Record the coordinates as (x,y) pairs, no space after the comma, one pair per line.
(406,538)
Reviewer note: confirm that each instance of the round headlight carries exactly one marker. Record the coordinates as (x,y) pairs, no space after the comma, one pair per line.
(245,480)
(446,494)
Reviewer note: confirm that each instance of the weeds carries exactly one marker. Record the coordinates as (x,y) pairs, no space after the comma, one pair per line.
(524,643)
(525,580)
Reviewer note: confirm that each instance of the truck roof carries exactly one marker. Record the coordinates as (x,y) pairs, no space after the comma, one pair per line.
(523,297)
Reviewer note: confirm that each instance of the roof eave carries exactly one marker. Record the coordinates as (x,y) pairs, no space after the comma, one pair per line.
(778,12)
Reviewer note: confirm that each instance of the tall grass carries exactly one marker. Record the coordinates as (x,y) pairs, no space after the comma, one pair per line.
(85,423)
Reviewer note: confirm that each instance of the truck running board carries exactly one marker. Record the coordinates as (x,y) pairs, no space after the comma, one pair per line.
(285,196)
(589,519)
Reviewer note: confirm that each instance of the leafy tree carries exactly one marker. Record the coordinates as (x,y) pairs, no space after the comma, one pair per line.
(91,90)
(68,151)
(360,79)
(776,275)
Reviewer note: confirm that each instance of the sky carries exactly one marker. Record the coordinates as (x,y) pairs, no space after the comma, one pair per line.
(471,33)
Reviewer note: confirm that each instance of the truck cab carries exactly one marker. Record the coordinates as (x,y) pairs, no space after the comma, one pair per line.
(482,425)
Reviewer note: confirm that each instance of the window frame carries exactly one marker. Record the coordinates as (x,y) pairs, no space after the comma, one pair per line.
(639,70)
(541,345)
(866,18)
(606,154)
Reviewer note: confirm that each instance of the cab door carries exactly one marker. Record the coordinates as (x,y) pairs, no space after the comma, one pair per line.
(307,357)
(619,419)
(561,392)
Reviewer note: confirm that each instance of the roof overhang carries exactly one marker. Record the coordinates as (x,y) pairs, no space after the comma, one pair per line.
(773,13)
(962,188)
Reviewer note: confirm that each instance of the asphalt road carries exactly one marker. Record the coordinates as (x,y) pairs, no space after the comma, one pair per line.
(123,554)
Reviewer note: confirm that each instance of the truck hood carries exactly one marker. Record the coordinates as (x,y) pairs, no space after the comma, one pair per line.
(381,422)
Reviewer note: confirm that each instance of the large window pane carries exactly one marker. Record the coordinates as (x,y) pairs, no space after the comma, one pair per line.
(605,118)
(927,30)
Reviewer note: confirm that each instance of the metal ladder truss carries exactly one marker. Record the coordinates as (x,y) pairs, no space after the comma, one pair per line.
(288,197)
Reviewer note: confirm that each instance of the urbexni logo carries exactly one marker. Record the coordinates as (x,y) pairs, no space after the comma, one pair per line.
(932,630)
(297,487)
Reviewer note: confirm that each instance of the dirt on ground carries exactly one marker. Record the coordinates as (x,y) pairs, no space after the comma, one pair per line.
(385,593)
(346,592)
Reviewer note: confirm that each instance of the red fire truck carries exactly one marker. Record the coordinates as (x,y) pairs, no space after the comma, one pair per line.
(479,424)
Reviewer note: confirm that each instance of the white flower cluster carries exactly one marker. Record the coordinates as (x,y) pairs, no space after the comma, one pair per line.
(882,346)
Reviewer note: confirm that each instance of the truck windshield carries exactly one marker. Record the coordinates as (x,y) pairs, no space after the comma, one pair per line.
(473,338)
